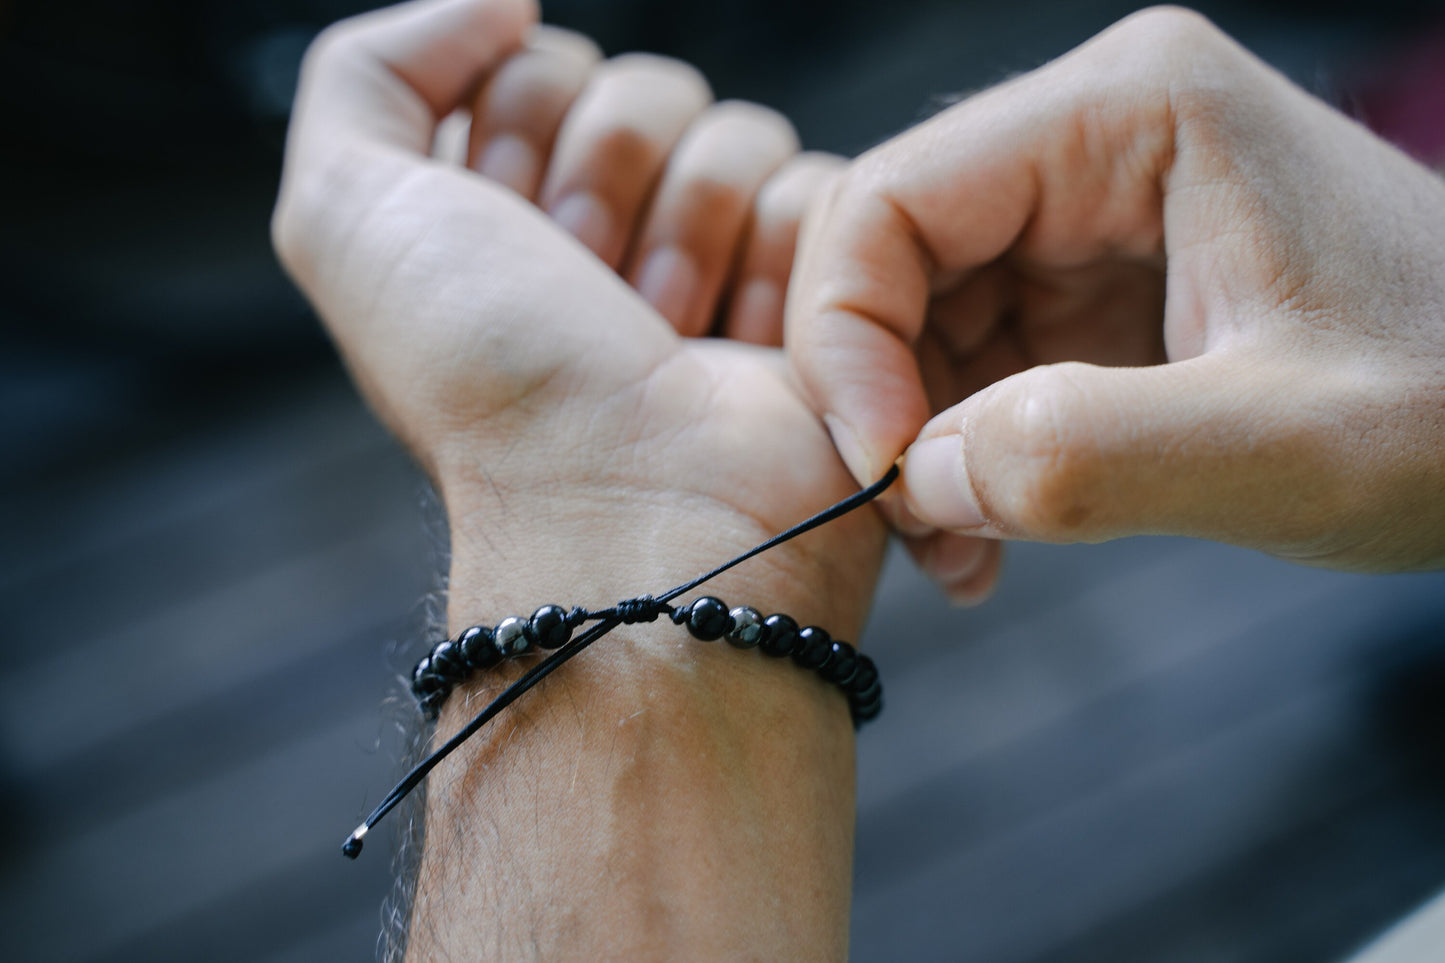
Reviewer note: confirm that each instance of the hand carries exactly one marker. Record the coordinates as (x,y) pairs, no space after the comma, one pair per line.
(485,336)
(1020,269)
(587,451)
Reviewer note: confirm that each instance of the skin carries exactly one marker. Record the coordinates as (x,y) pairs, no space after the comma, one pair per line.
(657,798)
(1151,287)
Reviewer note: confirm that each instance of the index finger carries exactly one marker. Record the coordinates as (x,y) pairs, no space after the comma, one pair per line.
(1059,165)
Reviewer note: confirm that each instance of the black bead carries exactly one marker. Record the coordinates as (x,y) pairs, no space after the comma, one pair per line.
(447,662)
(842,665)
(510,636)
(478,649)
(867,695)
(866,675)
(424,681)
(548,627)
(814,648)
(708,618)
(747,628)
(780,637)
(863,713)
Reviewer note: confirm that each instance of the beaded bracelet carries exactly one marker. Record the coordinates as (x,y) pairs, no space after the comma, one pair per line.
(551,627)
(481,647)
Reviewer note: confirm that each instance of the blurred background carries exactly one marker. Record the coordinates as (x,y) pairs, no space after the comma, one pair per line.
(213,563)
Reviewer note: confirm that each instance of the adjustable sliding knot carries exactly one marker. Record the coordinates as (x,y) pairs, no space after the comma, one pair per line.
(644,608)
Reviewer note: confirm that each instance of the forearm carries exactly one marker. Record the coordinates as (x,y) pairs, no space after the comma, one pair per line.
(658,797)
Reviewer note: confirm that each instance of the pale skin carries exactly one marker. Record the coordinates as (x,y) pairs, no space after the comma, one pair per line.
(657,798)
(1151,287)
(516,244)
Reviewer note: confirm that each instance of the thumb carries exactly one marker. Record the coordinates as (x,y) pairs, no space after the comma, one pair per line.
(1209,447)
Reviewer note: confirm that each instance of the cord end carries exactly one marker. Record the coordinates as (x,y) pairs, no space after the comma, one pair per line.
(352,847)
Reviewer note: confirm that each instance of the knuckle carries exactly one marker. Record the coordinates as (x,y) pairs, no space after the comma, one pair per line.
(743,118)
(1061,466)
(334,44)
(803,178)
(1178,28)
(567,43)
(668,73)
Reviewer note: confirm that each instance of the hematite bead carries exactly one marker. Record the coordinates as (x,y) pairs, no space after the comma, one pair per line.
(842,665)
(708,618)
(510,636)
(478,649)
(447,662)
(747,627)
(548,627)
(814,648)
(780,635)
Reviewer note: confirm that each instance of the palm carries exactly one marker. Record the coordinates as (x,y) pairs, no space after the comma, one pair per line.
(476,326)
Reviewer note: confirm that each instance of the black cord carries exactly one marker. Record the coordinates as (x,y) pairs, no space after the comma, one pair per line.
(631,610)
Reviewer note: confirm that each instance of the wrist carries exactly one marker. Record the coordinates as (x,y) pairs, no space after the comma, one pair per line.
(685,773)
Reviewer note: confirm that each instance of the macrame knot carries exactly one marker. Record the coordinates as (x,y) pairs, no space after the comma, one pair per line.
(643,609)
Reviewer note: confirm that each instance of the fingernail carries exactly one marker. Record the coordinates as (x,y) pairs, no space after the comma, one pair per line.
(509,160)
(969,594)
(585,217)
(936,484)
(903,521)
(953,558)
(757,311)
(850,449)
(668,281)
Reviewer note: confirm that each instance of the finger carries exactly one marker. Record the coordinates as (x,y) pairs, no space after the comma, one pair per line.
(964,568)
(520,108)
(449,142)
(387,77)
(1063,165)
(755,309)
(613,144)
(1217,447)
(692,230)
(372,91)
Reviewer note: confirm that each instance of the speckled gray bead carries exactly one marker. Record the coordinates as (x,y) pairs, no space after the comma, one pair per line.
(510,636)
(747,628)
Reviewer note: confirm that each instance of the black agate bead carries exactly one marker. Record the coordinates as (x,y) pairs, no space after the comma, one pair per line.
(867,711)
(477,648)
(424,681)
(510,636)
(548,627)
(780,636)
(708,618)
(815,647)
(864,678)
(747,628)
(447,662)
(842,665)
